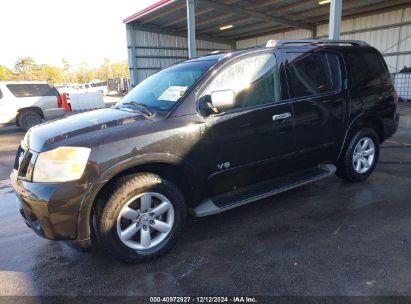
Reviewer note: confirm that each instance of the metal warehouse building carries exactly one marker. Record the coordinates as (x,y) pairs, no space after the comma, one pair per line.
(170,30)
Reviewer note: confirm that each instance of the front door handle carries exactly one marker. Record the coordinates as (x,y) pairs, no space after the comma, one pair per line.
(281,116)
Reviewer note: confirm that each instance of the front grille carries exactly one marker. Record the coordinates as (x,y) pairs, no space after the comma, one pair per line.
(16,160)
(22,161)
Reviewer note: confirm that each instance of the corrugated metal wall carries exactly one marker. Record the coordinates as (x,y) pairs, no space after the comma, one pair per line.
(382,31)
(154,51)
(389,32)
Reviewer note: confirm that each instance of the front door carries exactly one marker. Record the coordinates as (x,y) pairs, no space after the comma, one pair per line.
(254,140)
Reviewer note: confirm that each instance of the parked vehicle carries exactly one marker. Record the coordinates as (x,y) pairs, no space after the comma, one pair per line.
(99,86)
(206,135)
(28,103)
(67,89)
(120,85)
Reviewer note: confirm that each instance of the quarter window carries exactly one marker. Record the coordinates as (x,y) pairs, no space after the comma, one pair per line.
(255,81)
(313,73)
(368,69)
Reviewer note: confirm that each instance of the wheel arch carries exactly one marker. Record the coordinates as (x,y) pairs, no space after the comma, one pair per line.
(28,109)
(372,121)
(180,173)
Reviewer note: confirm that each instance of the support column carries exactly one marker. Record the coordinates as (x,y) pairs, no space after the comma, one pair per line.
(191,26)
(334,28)
(131,48)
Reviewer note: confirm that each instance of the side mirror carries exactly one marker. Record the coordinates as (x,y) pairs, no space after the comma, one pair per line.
(223,100)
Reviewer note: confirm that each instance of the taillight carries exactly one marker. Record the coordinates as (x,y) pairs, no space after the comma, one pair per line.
(396,97)
(59,101)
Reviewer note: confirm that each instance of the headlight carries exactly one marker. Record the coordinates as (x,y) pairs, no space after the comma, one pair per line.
(61,165)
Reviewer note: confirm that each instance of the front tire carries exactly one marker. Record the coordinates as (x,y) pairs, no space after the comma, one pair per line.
(360,157)
(28,119)
(142,219)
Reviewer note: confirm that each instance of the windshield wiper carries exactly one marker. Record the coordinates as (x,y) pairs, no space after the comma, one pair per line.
(141,106)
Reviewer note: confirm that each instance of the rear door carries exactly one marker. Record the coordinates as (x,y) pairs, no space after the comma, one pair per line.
(320,102)
(371,88)
(254,140)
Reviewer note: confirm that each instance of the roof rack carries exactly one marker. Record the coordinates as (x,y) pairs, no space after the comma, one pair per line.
(273,43)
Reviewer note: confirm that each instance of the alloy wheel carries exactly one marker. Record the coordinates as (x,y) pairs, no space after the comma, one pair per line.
(145,221)
(364,155)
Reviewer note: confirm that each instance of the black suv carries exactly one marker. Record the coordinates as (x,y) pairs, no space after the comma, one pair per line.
(206,135)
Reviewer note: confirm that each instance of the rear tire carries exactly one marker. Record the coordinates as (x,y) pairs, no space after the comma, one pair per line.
(360,157)
(142,219)
(28,119)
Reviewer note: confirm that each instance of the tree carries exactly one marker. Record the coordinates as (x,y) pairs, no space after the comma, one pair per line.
(66,65)
(104,71)
(119,69)
(67,76)
(26,68)
(51,74)
(6,73)
(84,73)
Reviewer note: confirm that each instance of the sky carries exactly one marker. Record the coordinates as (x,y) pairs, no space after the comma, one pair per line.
(78,31)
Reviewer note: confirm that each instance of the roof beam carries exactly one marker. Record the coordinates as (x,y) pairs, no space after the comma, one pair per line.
(157,29)
(183,18)
(238,10)
(349,13)
(292,6)
(261,32)
(367,9)
(254,30)
(212,19)
(166,12)
(216,27)
(325,9)
(263,4)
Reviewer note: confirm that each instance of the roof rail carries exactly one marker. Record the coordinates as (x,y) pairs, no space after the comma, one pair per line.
(273,43)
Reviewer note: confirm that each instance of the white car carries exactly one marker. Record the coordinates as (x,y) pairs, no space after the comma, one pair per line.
(100,86)
(28,103)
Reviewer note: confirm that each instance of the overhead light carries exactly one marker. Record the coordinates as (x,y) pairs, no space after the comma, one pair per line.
(321,2)
(226,27)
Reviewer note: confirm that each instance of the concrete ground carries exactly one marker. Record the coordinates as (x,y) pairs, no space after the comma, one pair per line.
(325,238)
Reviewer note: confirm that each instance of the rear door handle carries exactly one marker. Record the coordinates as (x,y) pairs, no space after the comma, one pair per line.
(281,116)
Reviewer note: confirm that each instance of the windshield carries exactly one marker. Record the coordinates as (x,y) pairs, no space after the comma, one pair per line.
(162,90)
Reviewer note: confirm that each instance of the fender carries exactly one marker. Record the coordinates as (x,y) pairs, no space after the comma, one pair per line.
(83,223)
(361,117)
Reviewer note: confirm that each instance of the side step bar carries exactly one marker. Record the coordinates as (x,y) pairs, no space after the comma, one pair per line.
(262,190)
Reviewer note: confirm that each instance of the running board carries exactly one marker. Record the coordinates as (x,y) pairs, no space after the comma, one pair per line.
(262,190)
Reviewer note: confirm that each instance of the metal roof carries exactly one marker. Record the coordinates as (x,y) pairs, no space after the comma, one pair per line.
(248,18)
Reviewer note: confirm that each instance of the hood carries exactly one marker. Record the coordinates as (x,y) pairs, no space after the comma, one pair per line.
(84,129)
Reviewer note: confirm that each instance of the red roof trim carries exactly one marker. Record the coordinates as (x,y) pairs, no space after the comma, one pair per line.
(148,9)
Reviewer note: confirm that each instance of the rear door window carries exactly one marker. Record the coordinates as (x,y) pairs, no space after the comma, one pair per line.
(368,70)
(31,90)
(313,73)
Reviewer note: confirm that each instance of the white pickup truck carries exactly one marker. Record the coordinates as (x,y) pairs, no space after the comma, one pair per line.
(28,103)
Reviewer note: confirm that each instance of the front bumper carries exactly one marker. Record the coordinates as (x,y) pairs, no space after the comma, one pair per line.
(50,210)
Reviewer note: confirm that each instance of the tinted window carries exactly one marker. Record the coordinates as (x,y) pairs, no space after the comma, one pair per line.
(368,69)
(1,94)
(313,73)
(31,90)
(255,81)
